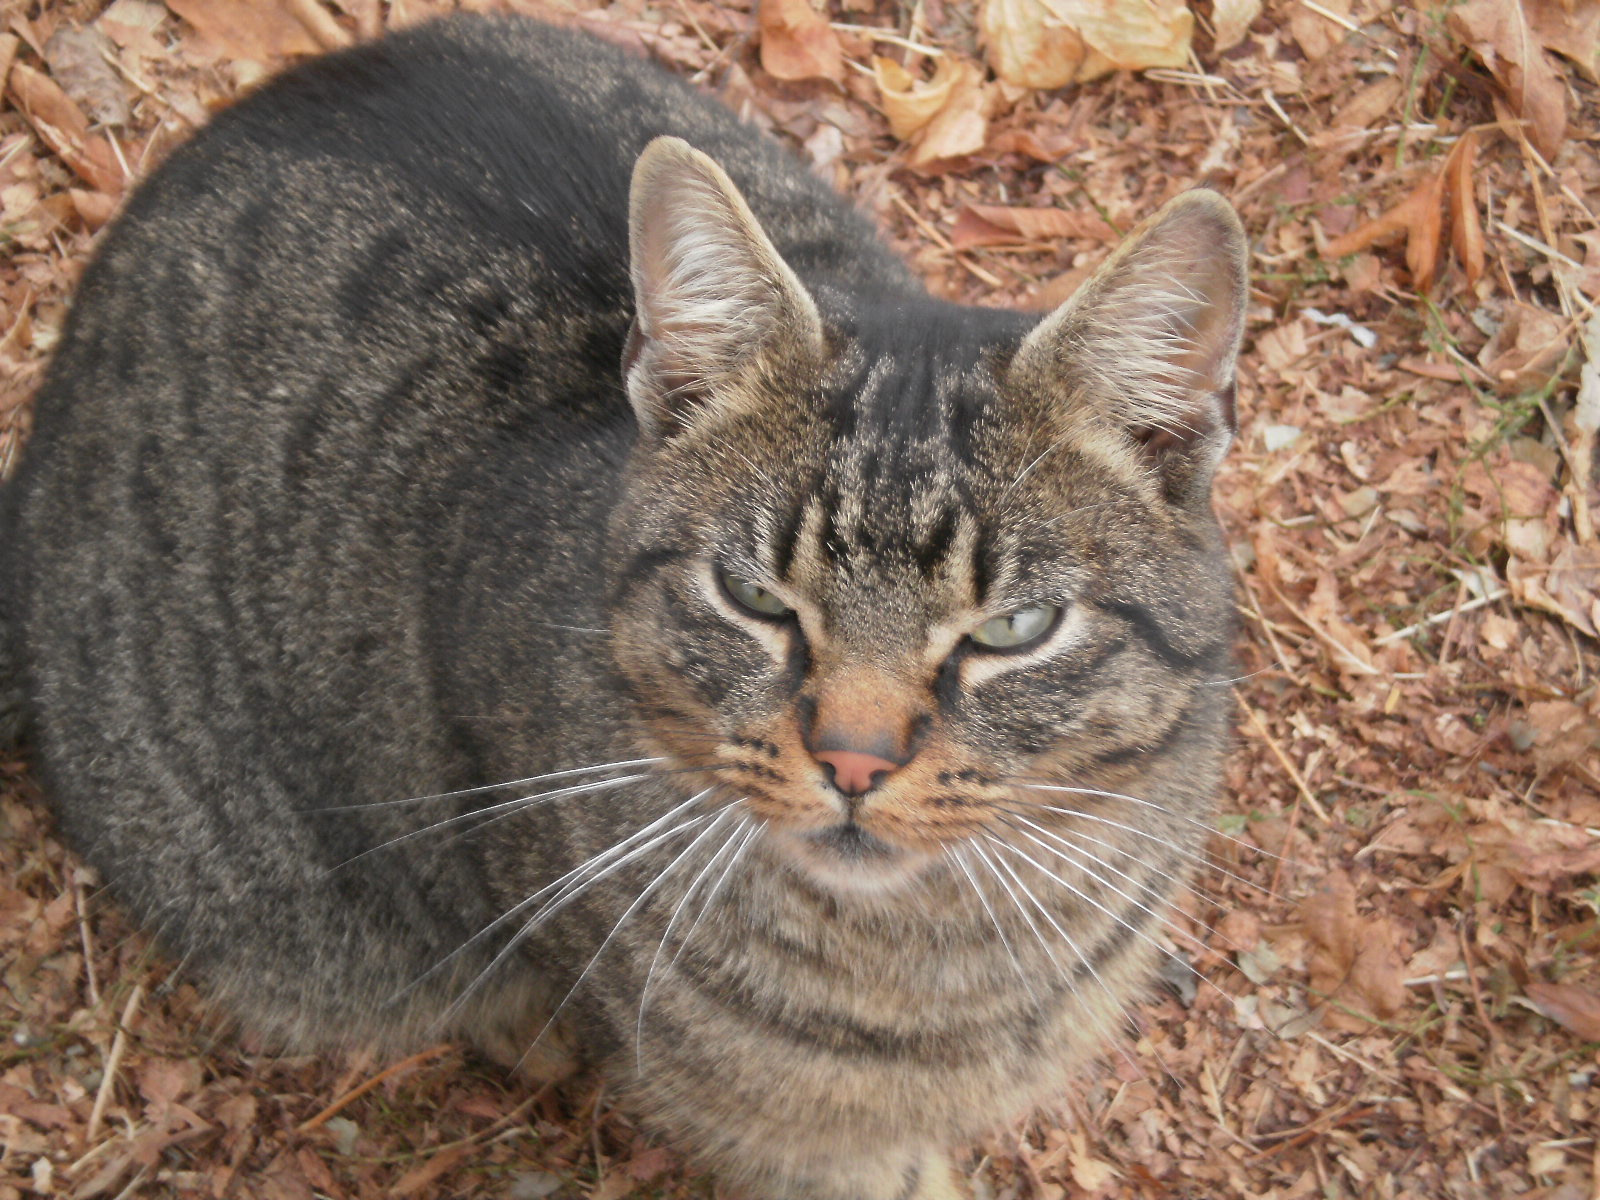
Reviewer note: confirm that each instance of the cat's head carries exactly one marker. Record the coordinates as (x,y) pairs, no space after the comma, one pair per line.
(885,566)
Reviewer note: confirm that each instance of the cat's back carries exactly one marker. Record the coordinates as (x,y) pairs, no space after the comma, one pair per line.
(388,285)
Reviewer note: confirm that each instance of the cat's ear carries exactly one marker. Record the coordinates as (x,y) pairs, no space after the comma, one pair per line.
(709,287)
(1150,341)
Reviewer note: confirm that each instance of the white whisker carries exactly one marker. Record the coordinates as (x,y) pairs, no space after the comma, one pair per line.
(1082,791)
(1092,902)
(645,894)
(983,899)
(1071,845)
(491,787)
(560,892)
(666,933)
(716,888)
(516,805)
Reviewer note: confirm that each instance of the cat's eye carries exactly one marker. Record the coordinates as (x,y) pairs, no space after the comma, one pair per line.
(754,597)
(1018,628)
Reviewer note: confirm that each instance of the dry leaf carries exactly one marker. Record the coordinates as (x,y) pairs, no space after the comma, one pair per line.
(961,125)
(1569,27)
(1573,1008)
(1026,49)
(248,29)
(1355,961)
(1586,424)
(8,52)
(64,128)
(1466,232)
(1497,32)
(1231,19)
(999,225)
(798,43)
(1568,588)
(909,102)
(77,59)
(1374,102)
(1420,216)
(1051,43)
(1316,34)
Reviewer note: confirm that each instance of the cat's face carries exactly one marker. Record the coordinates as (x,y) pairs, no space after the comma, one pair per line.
(884,571)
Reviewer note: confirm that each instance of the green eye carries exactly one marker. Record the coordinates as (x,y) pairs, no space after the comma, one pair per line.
(1026,624)
(757,599)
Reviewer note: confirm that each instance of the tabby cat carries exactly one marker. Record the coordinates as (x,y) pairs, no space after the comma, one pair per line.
(484,405)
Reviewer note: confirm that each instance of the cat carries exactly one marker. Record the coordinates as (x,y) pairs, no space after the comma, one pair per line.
(506,553)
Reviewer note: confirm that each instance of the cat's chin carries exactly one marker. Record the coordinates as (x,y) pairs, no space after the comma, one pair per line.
(846,858)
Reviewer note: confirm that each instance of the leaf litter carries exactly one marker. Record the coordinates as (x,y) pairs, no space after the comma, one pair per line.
(1403,926)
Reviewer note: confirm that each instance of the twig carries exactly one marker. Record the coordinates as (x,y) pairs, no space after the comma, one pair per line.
(90,979)
(119,1046)
(1441,617)
(355,1093)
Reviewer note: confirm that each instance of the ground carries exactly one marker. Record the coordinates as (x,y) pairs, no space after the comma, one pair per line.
(1396,953)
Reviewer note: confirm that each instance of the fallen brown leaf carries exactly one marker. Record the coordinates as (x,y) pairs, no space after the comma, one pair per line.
(1569,27)
(961,125)
(798,43)
(64,128)
(1497,31)
(260,32)
(78,62)
(910,103)
(1355,962)
(1466,231)
(1573,1008)
(1001,225)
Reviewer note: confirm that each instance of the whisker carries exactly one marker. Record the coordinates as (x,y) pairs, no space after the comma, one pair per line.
(1194,856)
(1071,845)
(1115,916)
(520,803)
(959,859)
(716,888)
(666,933)
(1050,953)
(645,894)
(1211,829)
(1072,944)
(554,886)
(490,787)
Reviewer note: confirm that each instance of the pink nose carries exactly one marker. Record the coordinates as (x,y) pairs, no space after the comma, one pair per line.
(854,772)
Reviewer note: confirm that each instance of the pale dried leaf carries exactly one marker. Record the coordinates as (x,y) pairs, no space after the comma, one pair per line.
(1051,43)
(1231,19)
(961,125)
(908,102)
(77,60)
(798,43)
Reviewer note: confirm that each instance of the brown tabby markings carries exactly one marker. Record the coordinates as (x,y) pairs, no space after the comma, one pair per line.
(420,426)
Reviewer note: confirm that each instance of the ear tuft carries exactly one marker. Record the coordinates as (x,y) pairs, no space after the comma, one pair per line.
(710,289)
(1151,340)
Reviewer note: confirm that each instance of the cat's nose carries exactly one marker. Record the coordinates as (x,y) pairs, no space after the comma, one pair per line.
(854,772)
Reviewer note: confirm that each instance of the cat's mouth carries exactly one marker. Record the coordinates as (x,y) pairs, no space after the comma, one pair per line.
(848,858)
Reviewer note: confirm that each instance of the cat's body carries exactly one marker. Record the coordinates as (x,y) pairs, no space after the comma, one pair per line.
(338,497)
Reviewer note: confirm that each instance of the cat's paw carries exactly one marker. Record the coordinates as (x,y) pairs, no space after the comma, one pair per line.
(937,1180)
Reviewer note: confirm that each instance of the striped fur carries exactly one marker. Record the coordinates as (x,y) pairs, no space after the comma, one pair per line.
(373,467)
